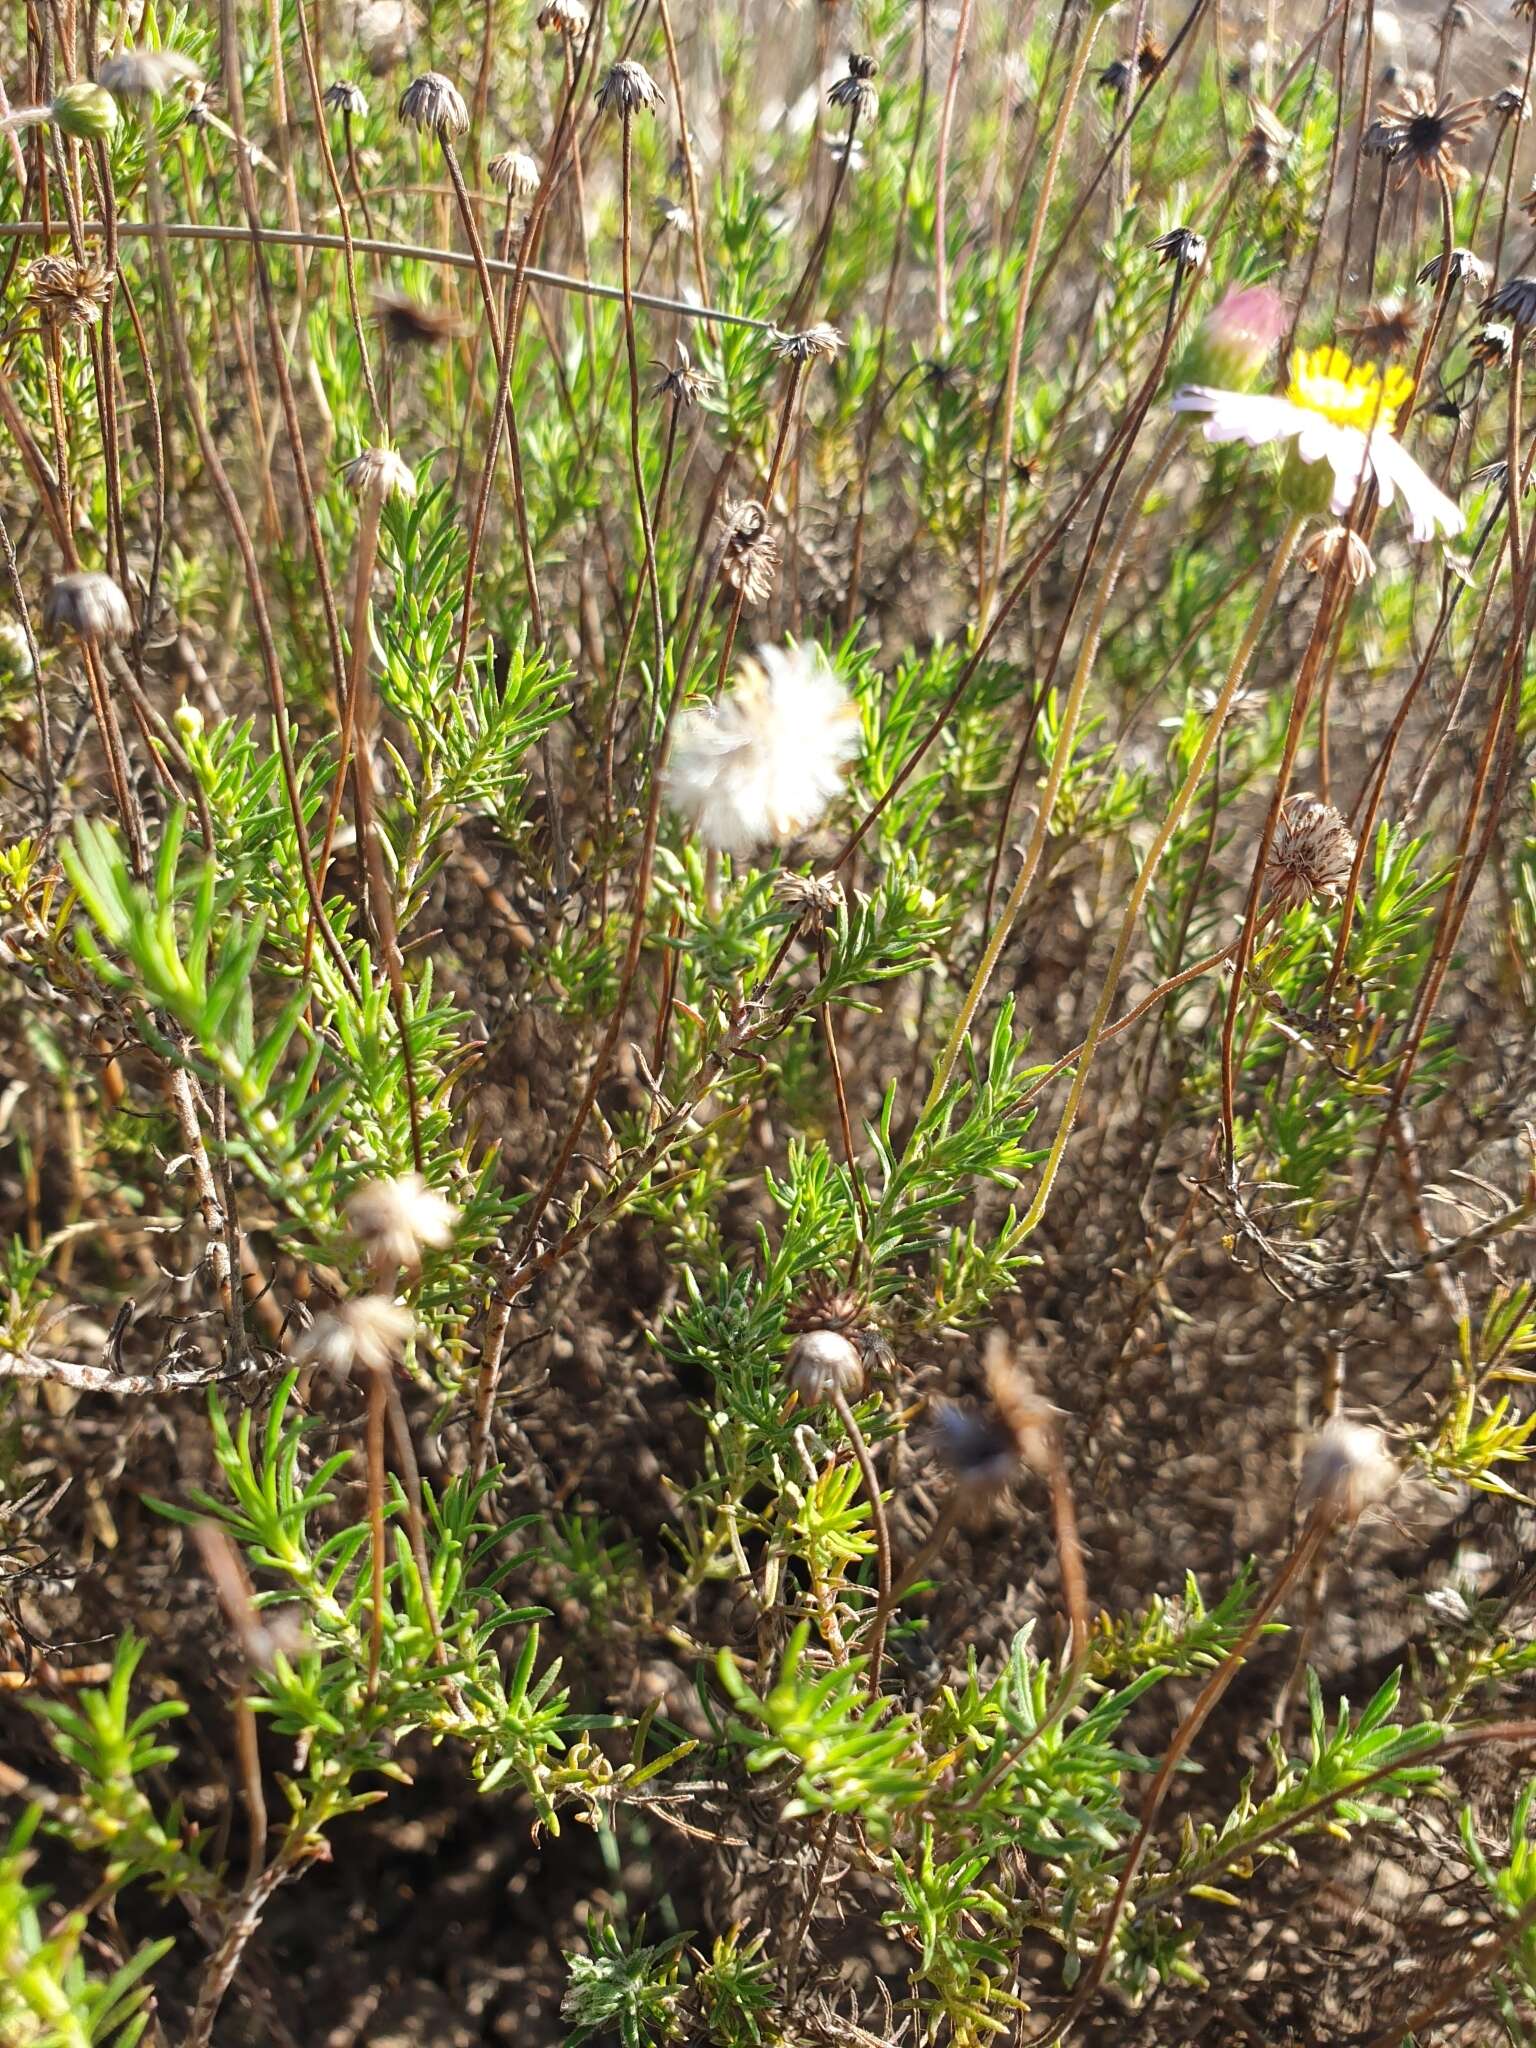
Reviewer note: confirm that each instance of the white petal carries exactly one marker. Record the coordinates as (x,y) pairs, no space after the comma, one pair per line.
(1427,506)
(1242,415)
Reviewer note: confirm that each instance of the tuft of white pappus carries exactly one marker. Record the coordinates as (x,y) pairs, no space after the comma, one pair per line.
(399,1219)
(764,761)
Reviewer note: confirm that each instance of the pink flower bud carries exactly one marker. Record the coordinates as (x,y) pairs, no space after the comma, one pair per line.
(1234,340)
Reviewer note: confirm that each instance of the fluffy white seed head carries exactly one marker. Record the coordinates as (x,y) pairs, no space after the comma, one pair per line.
(1347,1469)
(87,606)
(381,471)
(822,1363)
(399,1219)
(369,1334)
(764,761)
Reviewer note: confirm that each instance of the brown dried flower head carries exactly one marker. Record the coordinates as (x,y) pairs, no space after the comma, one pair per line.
(824,1363)
(1346,1469)
(1383,329)
(368,1333)
(1183,248)
(64,293)
(1513,300)
(1465,268)
(1428,130)
(1311,855)
(855,91)
(515,172)
(88,607)
(1338,549)
(683,382)
(986,1449)
(434,105)
(628,88)
(749,559)
(1267,144)
(1492,344)
(815,900)
(808,345)
(1510,105)
(409,324)
(343,97)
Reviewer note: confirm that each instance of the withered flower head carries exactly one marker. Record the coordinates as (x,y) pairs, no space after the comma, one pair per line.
(145,74)
(749,560)
(88,607)
(64,293)
(1346,1469)
(1115,77)
(1150,58)
(343,97)
(514,172)
(1311,855)
(1464,268)
(1510,105)
(370,1332)
(1515,300)
(806,346)
(1429,130)
(379,471)
(986,1449)
(683,382)
(825,1359)
(1338,548)
(855,91)
(628,88)
(1383,329)
(399,1219)
(1267,143)
(409,324)
(673,217)
(1182,248)
(1381,139)
(1492,345)
(434,105)
(815,900)
(563,18)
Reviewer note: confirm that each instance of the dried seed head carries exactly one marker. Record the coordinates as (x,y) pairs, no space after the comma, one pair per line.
(1347,1468)
(1150,58)
(514,172)
(855,92)
(84,110)
(1182,248)
(673,217)
(88,607)
(343,97)
(1492,345)
(815,900)
(369,1333)
(16,664)
(1464,268)
(1381,139)
(628,88)
(1510,105)
(379,472)
(64,293)
(1114,78)
(563,18)
(1515,300)
(1322,555)
(822,1363)
(397,1220)
(824,1306)
(1429,130)
(683,383)
(763,761)
(1383,329)
(808,345)
(749,559)
(986,1449)
(145,74)
(1267,144)
(434,105)
(408,324)
(385,31)
(1311,855)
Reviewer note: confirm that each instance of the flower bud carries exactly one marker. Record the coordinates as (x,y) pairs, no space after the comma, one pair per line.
(1233,342)
(86,111)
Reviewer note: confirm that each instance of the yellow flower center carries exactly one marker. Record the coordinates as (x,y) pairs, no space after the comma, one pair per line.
(1350,394)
